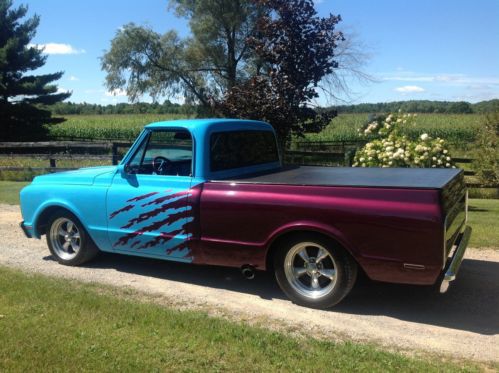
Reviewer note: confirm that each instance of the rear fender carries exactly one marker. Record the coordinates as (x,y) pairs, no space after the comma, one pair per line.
(311,226)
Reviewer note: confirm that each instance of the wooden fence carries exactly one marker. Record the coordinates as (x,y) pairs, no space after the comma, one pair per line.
(61,150)
(320,153)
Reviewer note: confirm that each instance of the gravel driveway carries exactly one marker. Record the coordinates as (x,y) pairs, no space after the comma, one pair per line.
(464,322)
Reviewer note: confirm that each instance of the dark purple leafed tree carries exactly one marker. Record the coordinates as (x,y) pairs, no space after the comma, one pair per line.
(294,49)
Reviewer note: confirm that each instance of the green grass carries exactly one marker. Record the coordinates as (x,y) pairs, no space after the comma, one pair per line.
(9,191)
(484,219)
(60,325)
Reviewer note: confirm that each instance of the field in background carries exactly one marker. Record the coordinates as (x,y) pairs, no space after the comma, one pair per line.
(106,127)
(456,129)
(459,129)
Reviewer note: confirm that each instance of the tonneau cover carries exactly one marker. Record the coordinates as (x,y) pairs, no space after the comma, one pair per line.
(427,178)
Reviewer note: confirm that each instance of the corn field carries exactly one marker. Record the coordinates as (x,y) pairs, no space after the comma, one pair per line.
(456,129)
(106,127)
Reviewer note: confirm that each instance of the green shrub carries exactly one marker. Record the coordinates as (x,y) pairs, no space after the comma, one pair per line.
(390,148)
(486,164)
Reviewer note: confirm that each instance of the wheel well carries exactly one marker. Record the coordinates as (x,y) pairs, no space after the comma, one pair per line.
(41,224)
(269,260)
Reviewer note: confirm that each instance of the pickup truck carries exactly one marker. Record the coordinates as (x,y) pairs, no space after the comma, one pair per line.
(215,192)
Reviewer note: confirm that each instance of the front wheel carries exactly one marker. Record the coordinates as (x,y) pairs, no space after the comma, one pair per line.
(314,271)
(68,240)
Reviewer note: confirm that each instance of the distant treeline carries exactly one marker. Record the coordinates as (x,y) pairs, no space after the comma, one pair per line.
(168,107)
(423,106)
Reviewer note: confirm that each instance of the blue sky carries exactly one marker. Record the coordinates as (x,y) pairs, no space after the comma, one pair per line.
(418,49)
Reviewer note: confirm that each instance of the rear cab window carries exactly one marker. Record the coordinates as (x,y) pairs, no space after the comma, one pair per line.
(232,150)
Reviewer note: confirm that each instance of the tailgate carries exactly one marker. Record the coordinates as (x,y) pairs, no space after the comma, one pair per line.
(454,199)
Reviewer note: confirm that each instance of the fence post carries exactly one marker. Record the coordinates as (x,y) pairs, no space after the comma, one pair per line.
(115,154)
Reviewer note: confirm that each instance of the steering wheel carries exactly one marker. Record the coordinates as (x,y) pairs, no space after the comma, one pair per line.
(161,165)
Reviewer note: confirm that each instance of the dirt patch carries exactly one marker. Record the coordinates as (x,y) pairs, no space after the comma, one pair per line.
(463,323)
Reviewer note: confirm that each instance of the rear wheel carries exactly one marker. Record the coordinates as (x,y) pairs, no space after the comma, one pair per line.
(314,271)
(68,240)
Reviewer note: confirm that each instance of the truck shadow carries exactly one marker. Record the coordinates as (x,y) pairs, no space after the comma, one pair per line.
(470,304)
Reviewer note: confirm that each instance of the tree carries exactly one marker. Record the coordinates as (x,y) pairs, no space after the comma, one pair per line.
(260,59)
(295,51)
(486,162)
(22,96)
(199,67)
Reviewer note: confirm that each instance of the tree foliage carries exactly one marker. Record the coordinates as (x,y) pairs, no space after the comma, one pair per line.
(486,163)
(167,107)
(22,96)
(198,68)
(295,51)
(421,106)
(259,59)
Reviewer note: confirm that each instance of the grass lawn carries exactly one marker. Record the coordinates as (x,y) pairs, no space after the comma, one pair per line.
(484,219)
(59,325)
(9,191)
(483,215)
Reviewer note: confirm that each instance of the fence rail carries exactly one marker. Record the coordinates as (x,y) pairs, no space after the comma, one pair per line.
(54,150)
(312,153)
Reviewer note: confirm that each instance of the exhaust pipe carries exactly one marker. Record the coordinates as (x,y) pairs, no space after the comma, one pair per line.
(248,272)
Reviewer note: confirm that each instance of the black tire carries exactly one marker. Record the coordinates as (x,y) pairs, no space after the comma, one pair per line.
(63,247)
(334,274)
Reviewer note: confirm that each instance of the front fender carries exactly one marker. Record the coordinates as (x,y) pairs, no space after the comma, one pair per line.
(51,204)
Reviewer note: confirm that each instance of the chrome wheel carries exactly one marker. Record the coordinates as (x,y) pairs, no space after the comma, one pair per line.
(310,270)
(65,238)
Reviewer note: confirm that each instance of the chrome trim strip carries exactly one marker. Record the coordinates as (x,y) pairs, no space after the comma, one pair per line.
(418,267)
(457,259)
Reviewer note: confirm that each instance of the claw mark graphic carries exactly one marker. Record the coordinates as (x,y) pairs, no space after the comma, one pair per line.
(140,198)
(124,209)
(150,214)
(131,206)
(177,210)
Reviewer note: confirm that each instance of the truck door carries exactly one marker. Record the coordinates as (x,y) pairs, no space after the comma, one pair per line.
(148,202)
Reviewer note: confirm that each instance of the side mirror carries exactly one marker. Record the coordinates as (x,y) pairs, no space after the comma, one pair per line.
(127,168)
(123,169)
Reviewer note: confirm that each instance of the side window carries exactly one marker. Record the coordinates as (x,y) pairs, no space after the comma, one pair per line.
(235,149)
(164,153)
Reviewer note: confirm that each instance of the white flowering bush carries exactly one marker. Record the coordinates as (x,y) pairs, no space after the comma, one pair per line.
(389,148)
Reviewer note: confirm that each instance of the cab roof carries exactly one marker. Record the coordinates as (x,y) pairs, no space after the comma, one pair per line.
(207,125)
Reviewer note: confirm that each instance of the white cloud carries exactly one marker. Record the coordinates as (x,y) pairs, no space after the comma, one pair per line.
(73,78)
(116,92)
(449,79)
(410,89)
(62,90)
(58,48)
